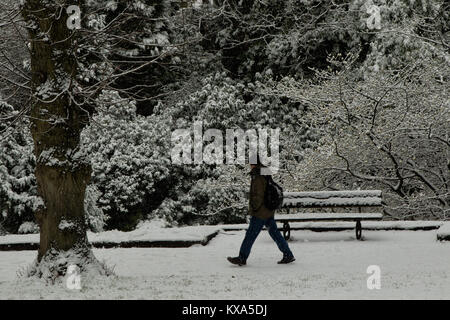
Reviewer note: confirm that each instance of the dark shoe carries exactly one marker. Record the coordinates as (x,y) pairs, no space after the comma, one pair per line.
(286,259)
(237,260)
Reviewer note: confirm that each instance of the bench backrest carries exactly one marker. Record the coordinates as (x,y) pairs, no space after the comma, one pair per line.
(330,199)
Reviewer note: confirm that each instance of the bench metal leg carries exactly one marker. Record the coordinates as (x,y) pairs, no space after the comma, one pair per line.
(358,229)
(286,230)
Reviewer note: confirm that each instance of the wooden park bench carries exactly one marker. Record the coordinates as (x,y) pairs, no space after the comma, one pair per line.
(330,199)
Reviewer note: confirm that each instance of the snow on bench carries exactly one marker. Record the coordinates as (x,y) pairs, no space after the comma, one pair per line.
(315,216)
(330,199)
(329,194)
(348,198)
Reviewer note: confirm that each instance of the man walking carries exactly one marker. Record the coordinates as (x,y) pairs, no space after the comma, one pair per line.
(260,216)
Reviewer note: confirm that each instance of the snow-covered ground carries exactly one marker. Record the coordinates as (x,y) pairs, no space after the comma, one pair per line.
(330,265)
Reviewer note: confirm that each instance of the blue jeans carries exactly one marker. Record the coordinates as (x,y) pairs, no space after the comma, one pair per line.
(255,227)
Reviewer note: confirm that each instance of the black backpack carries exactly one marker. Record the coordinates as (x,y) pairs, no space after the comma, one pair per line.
(273,196)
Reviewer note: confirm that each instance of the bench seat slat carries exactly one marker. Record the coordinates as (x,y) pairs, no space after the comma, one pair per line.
(308,202)
(333,194)
(328,216)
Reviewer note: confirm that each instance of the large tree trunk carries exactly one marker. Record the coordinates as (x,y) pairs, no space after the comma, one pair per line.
(56,124)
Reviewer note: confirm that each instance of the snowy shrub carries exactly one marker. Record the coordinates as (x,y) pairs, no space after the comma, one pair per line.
(18,194)
(218,198)
(223,103)
(28,227)
(95,217)
(221,198)
(130,158)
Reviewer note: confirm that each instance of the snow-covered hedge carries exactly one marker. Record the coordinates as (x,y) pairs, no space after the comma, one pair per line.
(18,194)
(130,157)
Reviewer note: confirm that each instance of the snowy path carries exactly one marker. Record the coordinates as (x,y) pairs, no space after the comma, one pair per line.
(330,265)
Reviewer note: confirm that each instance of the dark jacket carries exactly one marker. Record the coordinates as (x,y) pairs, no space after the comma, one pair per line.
(256,198)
